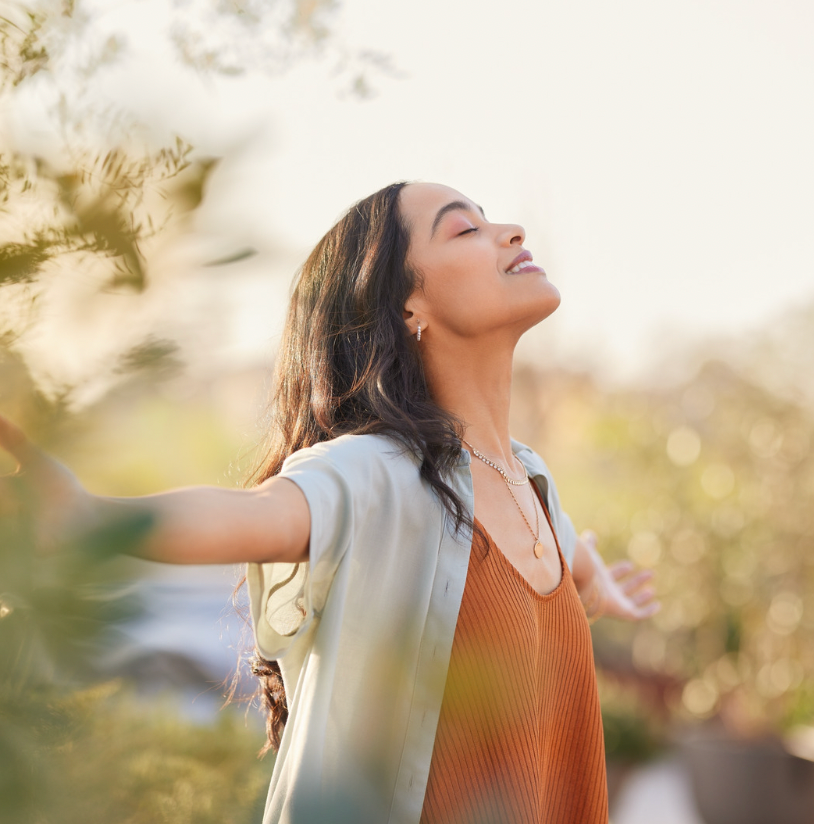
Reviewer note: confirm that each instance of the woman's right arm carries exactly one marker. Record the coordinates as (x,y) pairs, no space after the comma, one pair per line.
(193,525)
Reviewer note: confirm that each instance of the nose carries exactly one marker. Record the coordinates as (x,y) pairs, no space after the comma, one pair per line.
(512,234)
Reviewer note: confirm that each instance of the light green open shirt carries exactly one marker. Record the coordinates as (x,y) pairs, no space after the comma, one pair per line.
(363,631)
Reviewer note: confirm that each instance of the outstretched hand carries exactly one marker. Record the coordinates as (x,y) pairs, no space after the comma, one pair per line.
(624,591)
(41,485)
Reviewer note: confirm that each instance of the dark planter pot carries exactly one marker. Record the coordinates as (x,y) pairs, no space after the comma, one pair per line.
(748,782)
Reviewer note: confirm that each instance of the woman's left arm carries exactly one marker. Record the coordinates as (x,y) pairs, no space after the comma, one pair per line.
(617,590)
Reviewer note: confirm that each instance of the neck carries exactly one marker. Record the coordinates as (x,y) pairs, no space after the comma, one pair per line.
(473,381)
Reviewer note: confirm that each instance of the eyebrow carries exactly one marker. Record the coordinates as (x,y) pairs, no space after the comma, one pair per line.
(455,206)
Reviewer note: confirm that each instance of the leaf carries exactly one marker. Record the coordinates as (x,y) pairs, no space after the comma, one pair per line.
(20,263)
(154,354)
(189,189)
(241,254)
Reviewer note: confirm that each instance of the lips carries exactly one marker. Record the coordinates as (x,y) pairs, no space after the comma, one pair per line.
(522,263)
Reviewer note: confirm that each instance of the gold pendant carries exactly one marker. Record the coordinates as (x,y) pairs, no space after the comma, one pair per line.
(538,549)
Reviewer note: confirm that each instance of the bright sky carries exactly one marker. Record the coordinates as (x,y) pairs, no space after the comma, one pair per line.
(659,154)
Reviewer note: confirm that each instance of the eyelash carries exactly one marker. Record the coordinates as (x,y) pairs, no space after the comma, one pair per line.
(467,231)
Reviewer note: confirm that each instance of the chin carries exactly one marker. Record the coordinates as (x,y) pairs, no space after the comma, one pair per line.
(543,305)
(550,300)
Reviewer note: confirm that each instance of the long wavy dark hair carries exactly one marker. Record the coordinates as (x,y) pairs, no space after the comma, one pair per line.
(347,364)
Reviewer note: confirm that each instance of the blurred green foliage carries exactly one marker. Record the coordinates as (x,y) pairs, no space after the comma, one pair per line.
(711,483)
(100,755)
(95,208)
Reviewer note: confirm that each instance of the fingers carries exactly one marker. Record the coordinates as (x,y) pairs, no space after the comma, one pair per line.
(644,603)
(649,611)
(621,568)
(632,583)
(643,597)
(14,441)
(588,536)
(639,608)
(633,600)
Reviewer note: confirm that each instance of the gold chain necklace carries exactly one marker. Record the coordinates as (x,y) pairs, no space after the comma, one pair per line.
(498,467)
(538,547)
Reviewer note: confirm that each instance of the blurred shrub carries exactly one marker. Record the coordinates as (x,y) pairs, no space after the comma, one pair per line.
(99,755)
(634,730)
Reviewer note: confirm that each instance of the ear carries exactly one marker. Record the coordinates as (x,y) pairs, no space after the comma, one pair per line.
(414,314)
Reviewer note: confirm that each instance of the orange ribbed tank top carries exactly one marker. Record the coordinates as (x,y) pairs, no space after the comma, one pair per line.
(519,737)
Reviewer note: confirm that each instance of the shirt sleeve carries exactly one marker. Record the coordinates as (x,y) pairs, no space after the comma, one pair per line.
(286,598)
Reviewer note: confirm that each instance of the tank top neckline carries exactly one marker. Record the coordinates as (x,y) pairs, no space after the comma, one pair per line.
(538,596)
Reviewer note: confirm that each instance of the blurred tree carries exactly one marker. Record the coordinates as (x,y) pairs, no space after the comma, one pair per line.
(94,216)
(94,211)
(270,35)
(91,213)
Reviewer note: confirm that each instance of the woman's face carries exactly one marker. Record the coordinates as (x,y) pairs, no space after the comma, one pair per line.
(476,276)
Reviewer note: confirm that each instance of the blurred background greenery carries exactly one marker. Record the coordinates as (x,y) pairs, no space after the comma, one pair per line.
(703,470)
(711,482)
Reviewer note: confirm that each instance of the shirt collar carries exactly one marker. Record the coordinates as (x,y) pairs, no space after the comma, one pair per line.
(530,459)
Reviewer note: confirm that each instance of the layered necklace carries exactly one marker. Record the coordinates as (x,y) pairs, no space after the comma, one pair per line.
(510,482)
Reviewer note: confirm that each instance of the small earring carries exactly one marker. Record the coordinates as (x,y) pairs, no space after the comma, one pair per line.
(418,336)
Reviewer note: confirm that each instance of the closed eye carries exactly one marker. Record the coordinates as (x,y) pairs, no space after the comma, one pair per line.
(467,231)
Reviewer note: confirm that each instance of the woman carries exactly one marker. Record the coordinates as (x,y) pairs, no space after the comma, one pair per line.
(419,593)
